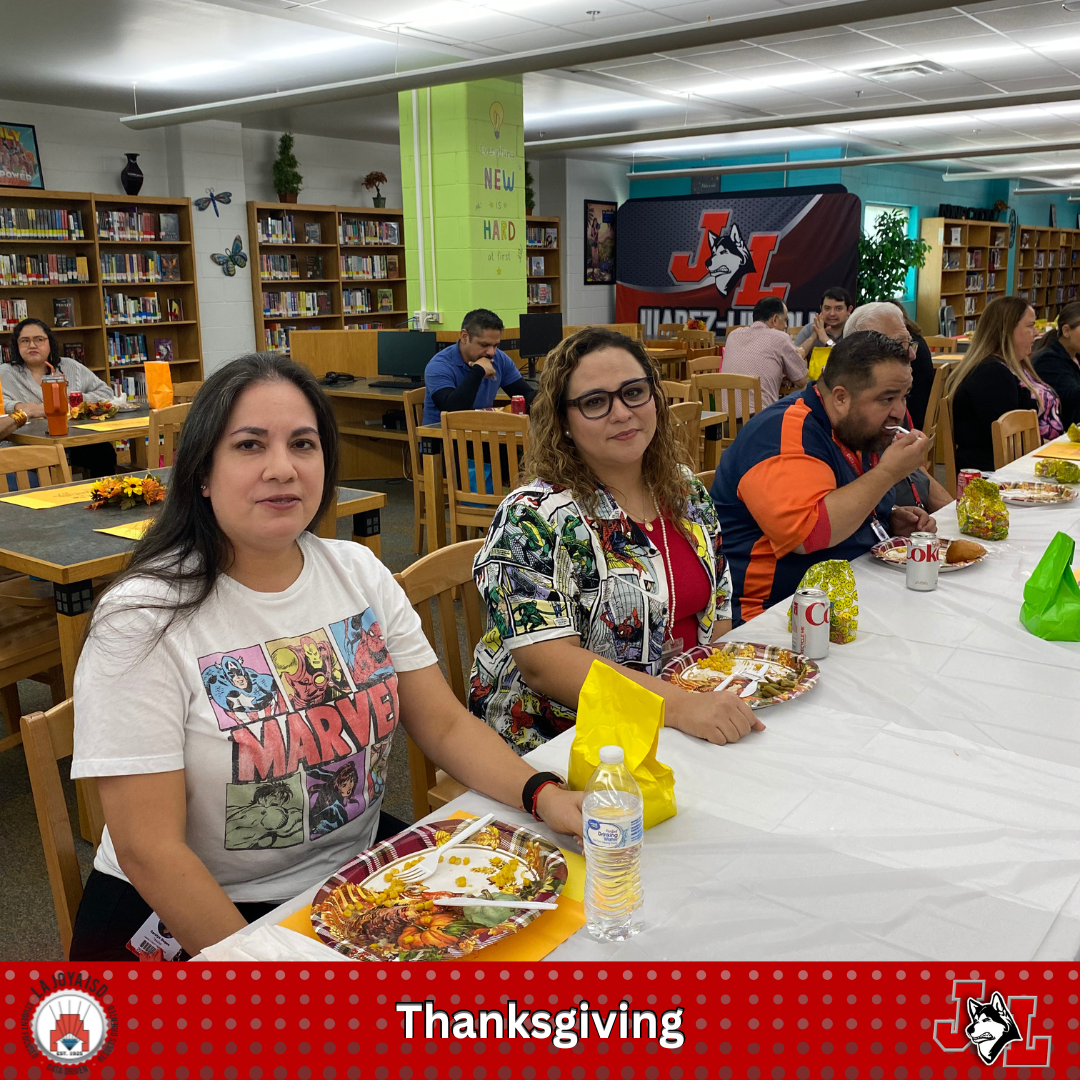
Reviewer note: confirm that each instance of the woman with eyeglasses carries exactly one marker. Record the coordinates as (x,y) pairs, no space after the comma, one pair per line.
(611,551)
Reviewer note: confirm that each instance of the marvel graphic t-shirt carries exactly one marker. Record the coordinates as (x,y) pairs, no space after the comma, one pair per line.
(279,707)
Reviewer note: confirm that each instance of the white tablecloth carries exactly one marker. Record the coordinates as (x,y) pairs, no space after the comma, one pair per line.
(921,803)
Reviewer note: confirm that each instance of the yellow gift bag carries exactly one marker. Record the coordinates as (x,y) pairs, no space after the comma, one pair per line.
(837,578)
(614,711)
(159,390)
(819,357)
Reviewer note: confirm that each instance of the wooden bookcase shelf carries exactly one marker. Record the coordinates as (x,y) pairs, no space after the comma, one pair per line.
(333,226)
(1046,271)
(551,275)
(90,329)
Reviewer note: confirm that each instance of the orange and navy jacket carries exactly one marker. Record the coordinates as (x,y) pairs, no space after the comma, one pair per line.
(769,492)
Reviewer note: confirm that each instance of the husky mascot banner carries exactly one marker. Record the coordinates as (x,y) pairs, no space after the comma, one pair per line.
(713,257)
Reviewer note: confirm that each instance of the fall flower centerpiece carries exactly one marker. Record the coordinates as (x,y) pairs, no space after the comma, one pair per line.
(695,324)
(124,492)
(92,410)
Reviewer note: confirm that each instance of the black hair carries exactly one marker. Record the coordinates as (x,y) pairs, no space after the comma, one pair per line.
(1068,316)
(54,345)
(853,359)
(838,292)
(765,309)
(186,548)
(476,322)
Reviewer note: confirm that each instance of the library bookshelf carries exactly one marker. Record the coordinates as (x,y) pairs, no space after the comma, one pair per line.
(540,231)
(1046,271)
(121,311)
(325,268)
(966,267)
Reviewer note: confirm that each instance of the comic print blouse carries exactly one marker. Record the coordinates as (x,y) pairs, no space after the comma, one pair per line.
(547,570)
(279,707)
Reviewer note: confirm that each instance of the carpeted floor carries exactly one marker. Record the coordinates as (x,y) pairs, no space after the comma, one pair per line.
(27,920)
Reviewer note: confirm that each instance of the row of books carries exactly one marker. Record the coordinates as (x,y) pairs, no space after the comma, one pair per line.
(145,308)
(297,304)
(135,268)
(40,223)
(539,293)
(287,268)
(280,230)
(133,387)
(366,231)
(126,349)
(541,237)
(137,225)
(369,267)
(366,326)
(276,337)
(358,301)
(12,312)
(974,283)
(44,269)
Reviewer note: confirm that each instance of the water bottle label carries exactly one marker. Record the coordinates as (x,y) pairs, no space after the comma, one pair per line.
(607,834)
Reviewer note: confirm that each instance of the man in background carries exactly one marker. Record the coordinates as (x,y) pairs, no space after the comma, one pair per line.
(827,326)
(764,349)
(469,373)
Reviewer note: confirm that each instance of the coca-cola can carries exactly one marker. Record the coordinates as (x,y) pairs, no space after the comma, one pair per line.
(962,479)
(810,610)
(923,562)
(517,404)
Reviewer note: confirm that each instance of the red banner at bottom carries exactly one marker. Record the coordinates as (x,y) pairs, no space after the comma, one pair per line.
(635,1021)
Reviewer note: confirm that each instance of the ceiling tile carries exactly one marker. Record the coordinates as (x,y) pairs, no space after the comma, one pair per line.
(933,31)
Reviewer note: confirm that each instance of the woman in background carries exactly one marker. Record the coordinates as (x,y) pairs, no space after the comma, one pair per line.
(994,377)
(1056,363)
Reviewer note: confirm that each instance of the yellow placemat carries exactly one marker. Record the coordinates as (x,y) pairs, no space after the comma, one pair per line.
(44,498)
(113,425)
(130,530)
(1066,451)
(531,943)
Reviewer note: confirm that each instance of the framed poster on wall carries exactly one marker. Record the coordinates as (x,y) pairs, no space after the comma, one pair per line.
(599,242)
(20,162)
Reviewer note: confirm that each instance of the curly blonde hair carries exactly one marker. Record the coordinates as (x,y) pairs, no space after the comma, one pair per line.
(552,455)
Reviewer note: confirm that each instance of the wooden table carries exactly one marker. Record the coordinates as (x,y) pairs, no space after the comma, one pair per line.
(36,433)
(674,357)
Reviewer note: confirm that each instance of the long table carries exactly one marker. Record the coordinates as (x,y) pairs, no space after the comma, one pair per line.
(131,424)
(922,802)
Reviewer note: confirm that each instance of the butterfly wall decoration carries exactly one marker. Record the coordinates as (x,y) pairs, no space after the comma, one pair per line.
(214,199)
(232,259)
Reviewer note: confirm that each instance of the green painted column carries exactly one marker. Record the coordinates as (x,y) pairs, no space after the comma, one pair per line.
(478,190)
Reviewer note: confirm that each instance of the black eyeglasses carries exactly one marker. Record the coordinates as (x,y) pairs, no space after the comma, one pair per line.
(596,404)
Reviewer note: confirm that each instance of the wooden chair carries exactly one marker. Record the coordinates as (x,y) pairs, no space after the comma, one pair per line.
(675,391)
(668,330)
(434,579)
(498,439)
(745,399)
(184,392)
(699,339)
(707,478)
(414,418)
(686,420)
(164,434)
(945,440)
(937,388)
(937,343)
(49,464)
(1015,434)
(709,364)
(47,737)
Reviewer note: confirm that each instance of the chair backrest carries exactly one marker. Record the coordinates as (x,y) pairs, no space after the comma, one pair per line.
(164,434)
(631,330)
(710,364)
(686,419)
(707,478)
(937,388)
(432,581)
(944,437)
(47,737)
(737,395)
(485,441)
(1014,434)
(937,343)
(668,329)
(675,391)
(184,391)
(414,418)
(699,338)
(48,463)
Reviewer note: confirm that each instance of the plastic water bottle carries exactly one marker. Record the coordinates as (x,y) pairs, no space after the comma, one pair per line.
(612,829)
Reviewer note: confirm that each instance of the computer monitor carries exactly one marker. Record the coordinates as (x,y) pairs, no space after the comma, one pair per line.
(537,336)
(405,353)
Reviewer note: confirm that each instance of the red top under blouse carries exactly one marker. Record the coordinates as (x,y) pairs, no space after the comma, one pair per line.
(691,582)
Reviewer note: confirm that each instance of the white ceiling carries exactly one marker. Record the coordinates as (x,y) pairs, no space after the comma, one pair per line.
(182,52)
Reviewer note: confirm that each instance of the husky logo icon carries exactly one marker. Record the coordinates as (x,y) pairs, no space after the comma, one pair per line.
(992,1027)
(729,260)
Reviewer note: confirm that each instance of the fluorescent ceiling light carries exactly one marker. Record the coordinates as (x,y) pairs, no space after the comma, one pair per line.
(311,48)
(779,81)
(190,71)
(590,110)
(444,14)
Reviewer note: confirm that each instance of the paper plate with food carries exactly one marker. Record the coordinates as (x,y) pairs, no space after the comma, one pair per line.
(368,913)
(954,554)
(1034,493)
(760,674)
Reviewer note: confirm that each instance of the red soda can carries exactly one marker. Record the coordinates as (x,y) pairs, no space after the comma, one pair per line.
(810,610)
(923,562)
(517,404)
(75,398)
(962,479)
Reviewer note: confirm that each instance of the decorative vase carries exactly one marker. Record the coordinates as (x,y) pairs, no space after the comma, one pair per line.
(379,201)
(132,176)
(287,196)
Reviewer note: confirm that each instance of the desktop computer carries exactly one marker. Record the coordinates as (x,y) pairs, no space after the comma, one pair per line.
(405,354)
(537,336)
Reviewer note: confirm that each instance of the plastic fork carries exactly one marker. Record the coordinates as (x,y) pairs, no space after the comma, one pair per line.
(430,862)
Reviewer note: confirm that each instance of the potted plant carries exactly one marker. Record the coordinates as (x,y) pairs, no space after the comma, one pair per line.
(530,196)
(287,178)
(373,180)
(884,258)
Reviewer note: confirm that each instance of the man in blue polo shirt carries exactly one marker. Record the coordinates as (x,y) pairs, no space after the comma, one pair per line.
(468,374)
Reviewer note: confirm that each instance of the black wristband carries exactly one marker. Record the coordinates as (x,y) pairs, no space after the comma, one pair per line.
(532,789)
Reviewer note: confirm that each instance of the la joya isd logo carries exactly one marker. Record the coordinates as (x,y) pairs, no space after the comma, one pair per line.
(69,1026)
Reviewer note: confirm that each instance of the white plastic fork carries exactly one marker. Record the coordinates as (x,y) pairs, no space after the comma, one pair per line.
(430,862)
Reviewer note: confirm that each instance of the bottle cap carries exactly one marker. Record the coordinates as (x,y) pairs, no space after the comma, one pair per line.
(611,755)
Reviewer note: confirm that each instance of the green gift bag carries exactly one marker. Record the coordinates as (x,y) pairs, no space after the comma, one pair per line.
(1051,596)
